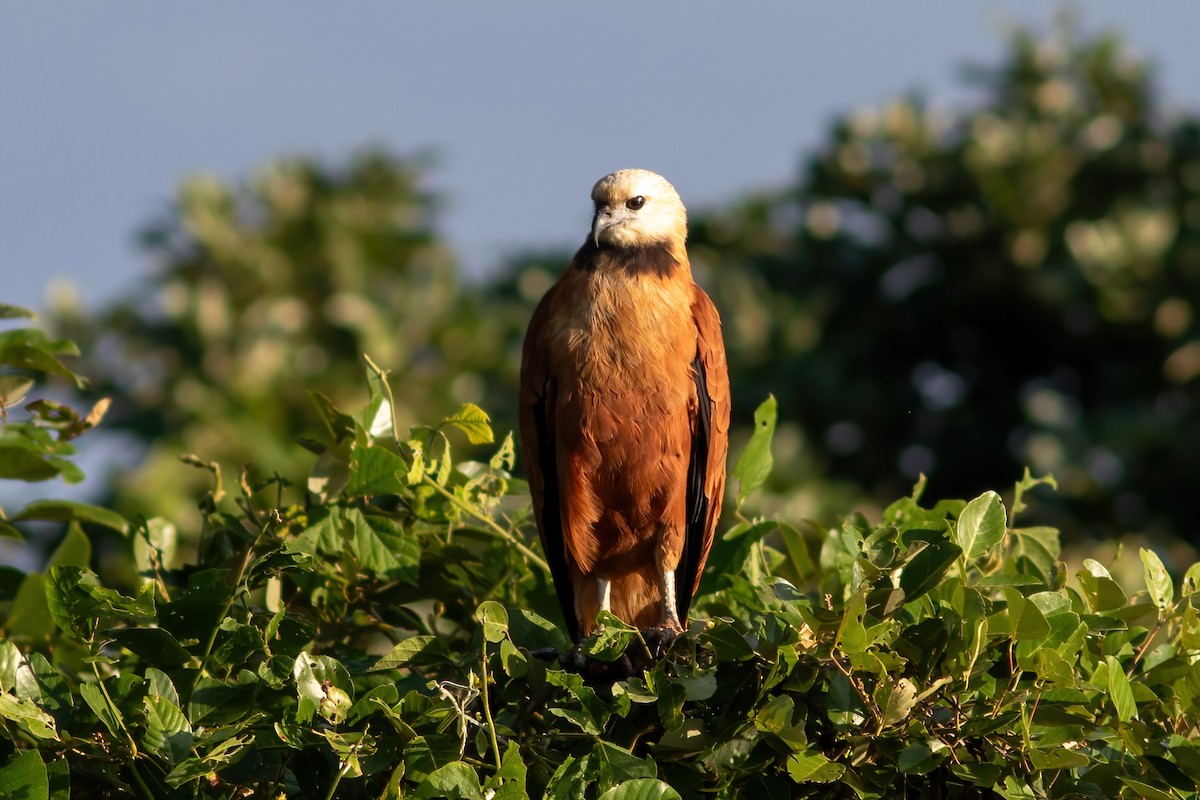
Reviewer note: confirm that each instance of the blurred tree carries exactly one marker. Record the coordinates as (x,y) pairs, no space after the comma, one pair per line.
(958,293)
(266,291)
(963,293)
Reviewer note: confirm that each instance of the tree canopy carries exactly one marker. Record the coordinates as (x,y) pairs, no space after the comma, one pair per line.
(950,292)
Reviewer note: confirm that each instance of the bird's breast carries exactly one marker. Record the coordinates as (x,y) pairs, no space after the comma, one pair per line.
(627,333)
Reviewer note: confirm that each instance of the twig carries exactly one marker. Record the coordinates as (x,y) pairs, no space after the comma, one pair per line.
(487,709)
(490,523)
(486,520)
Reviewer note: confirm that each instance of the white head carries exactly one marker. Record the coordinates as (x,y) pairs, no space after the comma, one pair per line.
(636,208)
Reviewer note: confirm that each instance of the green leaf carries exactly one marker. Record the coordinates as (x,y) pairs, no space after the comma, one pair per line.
(843,704)
(322,685)
(1191,580)
(494,619)
(28,454)
(755,463)
(75,550)
(77,602)
(533,631)
(454,781)
(192,769)
(641,789)
(917,758)
(852,635)
(509,781)
(167,731)
(1057,758)
(727,642)
(925,570)
(25,776)
(154,543)
(897,701)
(1102,592)
(13,312)
(506,455)
(93,695)
(1041,547)
(1029,623)
(338,424)
(474,422)
(616,764)
(1119,690)
(379,417)
(68,511)
(10,662)
(30,617)
(802,767)
(35,357)
(1052,667)
(13,389)
(382,547)
(161,685)
(215,702)
(374,470)
(1026,483)
(28,717)
(980,526)
(611,638)
(1145,791)
(1158,582)
(197,611)
(413,651)
(155,645)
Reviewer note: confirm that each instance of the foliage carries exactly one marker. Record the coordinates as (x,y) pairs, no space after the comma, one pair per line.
(264,289)
(384,637)
(1017,277)
(38,446)
(373,618)
(1029,260)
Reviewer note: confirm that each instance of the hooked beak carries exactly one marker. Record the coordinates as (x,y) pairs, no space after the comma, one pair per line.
(601,220)
(604,219)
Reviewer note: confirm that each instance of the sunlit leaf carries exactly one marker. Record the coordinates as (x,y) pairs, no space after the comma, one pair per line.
(474,422)
(980,526)
(1158,580)
(755,463)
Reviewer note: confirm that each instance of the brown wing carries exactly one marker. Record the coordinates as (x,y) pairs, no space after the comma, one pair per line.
(538,443)
(710,445)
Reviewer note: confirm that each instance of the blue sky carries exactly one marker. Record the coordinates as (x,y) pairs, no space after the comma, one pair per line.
(103,112)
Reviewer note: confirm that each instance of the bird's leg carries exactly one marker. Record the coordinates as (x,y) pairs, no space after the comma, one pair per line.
(659,638)
(670,619)
(604,589)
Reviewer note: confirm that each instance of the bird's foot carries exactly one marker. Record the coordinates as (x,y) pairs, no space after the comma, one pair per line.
(659,639)
(593,670)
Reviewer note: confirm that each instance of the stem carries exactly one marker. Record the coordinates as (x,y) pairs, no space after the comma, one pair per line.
(133,749)
(212,638)
(387,390)
(1137,657)
(345,770)
(488,521)
(491,523)
(487,709)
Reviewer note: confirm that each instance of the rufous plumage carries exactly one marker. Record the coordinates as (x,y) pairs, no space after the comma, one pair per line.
(625,414)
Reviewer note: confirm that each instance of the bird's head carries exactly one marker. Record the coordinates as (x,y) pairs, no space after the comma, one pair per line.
(637,208)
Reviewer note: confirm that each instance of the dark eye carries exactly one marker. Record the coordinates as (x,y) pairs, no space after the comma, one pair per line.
(634,203)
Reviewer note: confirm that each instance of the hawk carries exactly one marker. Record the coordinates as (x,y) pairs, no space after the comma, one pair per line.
(625,415)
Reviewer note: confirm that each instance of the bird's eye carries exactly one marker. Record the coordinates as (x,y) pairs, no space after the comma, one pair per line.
(634,203)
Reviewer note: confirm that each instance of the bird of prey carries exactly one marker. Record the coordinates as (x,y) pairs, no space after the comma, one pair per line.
(625,415)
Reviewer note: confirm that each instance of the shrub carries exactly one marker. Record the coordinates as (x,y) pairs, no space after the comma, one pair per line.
(381,637)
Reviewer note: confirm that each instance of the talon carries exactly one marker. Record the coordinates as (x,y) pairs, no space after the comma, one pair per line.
(573,660)
(658,640)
